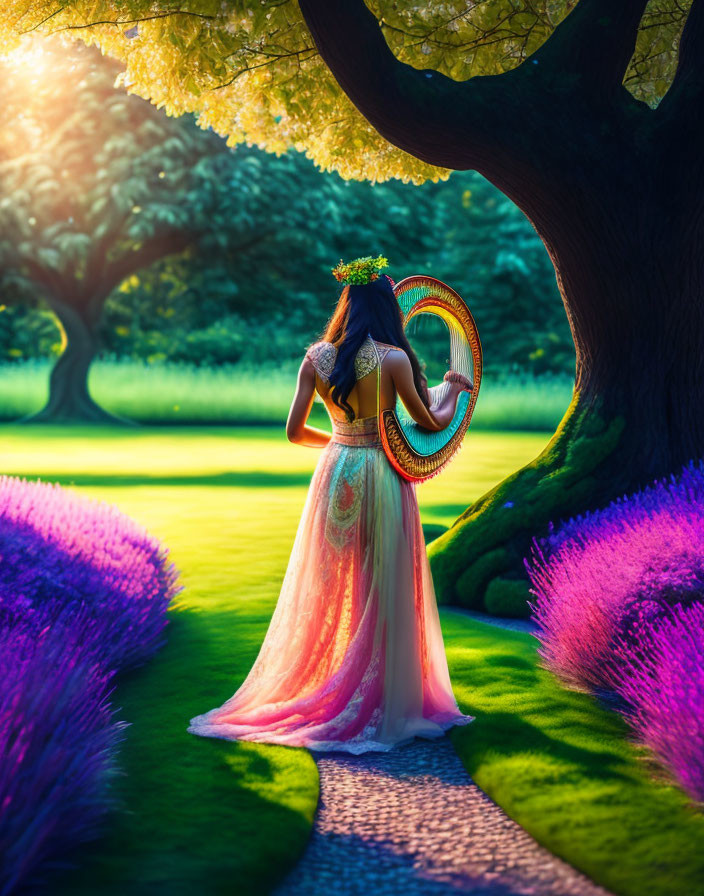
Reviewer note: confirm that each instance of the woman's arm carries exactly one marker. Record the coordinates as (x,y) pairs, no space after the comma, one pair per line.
(296,429)
(439,416)
(444,409)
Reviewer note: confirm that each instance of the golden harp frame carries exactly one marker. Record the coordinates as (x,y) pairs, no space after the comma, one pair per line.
(401,438)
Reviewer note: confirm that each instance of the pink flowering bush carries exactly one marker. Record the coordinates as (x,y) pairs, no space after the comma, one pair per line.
(607,585)
(663,689)
(83,595)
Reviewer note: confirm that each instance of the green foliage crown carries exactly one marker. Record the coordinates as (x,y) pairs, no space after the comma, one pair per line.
(360,270)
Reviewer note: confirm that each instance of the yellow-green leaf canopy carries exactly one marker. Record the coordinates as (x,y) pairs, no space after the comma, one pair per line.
(250,69)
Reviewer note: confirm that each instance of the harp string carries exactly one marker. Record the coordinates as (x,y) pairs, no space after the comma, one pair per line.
(424,441)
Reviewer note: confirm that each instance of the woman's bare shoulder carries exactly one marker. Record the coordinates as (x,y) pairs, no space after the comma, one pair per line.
(392,355)
(390,346)
(322,356)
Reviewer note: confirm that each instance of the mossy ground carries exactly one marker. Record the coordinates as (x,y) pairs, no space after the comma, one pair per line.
(478,563)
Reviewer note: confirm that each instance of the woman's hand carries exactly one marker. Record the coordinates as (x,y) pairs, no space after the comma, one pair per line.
(458,381)
(444,401)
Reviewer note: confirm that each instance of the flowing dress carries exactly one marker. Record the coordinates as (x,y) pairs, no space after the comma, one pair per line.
(353,658)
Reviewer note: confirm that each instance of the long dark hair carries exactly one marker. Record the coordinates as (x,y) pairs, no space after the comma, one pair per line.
(371,308)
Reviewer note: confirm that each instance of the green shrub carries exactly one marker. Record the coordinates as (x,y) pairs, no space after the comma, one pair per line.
(507,597)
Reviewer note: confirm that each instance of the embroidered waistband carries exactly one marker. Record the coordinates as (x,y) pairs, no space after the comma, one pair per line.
(363,431)
(367,440)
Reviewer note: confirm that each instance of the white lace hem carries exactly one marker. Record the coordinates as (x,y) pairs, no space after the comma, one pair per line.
(362,743)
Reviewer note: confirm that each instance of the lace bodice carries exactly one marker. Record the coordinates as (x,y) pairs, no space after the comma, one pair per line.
(323,355)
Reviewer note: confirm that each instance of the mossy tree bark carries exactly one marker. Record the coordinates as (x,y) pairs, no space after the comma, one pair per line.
(615,190)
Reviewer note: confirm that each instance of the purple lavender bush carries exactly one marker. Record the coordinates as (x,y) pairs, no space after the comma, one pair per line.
(84,592)
(610,573)
(607,584)
(663,688)
(58,745)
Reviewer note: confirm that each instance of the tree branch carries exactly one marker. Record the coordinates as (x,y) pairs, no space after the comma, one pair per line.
(687,89)
(448,123)
(595,43)
(510,127)
(254,240)
(53,283)
(157,247)
(99,250)
(116,22)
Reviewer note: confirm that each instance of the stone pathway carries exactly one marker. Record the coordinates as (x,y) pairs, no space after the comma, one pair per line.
(412,822)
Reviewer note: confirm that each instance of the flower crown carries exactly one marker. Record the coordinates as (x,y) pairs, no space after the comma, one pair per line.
(359,271)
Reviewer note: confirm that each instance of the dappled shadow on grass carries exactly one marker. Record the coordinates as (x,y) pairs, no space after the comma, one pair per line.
(508,735)
(246,479)
(509,661)
(198,814)
(517,715)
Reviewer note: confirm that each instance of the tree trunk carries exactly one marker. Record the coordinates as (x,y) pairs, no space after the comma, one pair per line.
(69,399)
(632,282)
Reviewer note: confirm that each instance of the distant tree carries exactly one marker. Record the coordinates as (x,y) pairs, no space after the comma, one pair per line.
(97,186)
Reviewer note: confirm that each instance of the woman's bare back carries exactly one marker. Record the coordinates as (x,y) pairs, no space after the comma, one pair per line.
(362,397)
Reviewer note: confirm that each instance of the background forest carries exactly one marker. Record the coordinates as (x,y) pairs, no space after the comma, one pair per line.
(180,249)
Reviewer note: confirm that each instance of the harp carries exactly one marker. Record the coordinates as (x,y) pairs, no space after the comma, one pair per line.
(415,452)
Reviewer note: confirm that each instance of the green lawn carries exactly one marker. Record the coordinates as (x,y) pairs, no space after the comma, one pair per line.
(562,766)
(210,816)
(203,815)
(172,393)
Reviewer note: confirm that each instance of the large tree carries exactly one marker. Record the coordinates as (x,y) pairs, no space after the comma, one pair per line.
(587,115)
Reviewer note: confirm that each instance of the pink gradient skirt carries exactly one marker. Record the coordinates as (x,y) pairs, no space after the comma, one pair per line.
(353,658)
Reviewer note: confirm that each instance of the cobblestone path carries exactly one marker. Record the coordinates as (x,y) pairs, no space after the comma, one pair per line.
(412,821)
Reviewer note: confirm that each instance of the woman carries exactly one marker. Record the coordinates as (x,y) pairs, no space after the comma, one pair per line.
(353,658)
